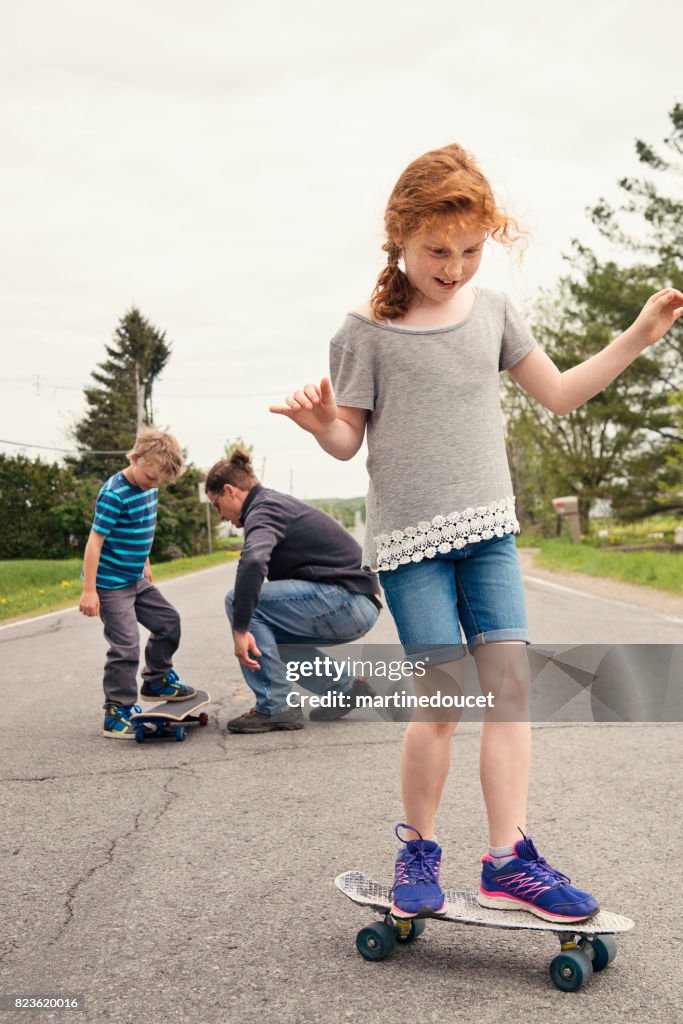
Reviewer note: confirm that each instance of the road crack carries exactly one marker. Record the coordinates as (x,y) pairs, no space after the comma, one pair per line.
(142,822)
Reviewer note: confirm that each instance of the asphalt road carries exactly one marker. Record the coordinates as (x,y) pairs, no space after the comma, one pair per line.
(194,881)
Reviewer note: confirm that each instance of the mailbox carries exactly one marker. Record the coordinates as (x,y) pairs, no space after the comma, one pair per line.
(568,508)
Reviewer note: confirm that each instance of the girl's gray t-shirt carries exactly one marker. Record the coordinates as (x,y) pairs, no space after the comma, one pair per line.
(439,475)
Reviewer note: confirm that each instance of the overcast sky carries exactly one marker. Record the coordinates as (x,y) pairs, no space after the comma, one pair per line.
(225,167)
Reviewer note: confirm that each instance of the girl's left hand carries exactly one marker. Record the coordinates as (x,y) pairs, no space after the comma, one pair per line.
(658,315)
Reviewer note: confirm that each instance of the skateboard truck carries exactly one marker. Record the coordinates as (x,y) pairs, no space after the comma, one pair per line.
(168,721)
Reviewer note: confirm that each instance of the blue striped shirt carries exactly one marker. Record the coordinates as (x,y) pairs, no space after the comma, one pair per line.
(126,516)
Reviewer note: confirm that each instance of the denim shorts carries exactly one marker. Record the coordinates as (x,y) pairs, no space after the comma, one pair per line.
(478,587)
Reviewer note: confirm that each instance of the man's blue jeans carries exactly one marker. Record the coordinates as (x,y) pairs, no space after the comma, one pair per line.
(299,612)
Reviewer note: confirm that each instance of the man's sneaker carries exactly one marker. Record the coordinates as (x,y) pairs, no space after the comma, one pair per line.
(117,723)
(416,890)
(342,703)
(168,688)
(527,882)
(256,721)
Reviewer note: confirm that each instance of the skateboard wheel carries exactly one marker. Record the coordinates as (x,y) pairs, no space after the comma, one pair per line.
(408,931)
(376,942)
(203,718)
(180,734)
(605,950)
(140,735)
(570,970)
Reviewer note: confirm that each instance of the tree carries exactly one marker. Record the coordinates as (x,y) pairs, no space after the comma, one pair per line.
(239,442)
(121,401)
(658,218)
(625,443)
(616,446)
(120,404)
(74,509)
(33,498)
(661,241)
(182,523)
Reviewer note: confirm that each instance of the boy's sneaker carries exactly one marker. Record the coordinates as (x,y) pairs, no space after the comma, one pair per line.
(416,890)
(168,688)
(117,723)
(527,882)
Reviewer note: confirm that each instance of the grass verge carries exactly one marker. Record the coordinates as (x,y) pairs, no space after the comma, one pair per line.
(34,586)
(660,569)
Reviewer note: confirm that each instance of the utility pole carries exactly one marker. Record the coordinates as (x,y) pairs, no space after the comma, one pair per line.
(204,498)
(139,400)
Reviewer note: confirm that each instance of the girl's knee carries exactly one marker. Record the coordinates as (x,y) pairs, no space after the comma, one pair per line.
(427,732)
(504,671)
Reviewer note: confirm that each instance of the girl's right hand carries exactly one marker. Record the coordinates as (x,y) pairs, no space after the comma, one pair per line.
(312,407)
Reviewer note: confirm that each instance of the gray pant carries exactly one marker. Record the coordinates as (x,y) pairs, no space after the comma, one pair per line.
(120,611)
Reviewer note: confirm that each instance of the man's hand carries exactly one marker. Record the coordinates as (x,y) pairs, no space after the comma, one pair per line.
(147,571)
(244,643)
(312,407)
(90,603)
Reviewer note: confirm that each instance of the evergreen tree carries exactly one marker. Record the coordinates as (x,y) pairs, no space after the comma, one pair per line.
(625,444)
(648,221)
(118,406)
(617,445)
(121,400)
(239,442)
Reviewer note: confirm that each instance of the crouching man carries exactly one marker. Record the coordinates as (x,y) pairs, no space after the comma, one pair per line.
(299,583)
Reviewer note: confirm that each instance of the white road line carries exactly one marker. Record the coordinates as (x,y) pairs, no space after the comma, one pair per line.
(39,618)
(74,608)
(599,597)
(530,579)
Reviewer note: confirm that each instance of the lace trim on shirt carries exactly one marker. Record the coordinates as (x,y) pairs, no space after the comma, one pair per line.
(444,533)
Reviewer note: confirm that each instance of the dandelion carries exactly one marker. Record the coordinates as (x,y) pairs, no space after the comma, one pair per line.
(3,600)
(65,583)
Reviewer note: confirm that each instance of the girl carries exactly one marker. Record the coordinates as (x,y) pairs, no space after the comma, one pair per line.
(417,366)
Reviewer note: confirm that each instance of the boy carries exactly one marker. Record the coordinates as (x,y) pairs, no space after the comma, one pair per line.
(117,583)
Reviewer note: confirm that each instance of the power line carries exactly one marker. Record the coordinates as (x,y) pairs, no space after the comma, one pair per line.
(41,381)
(234,394)
(48,448)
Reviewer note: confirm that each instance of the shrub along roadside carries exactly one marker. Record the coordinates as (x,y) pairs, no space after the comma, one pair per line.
(660,569)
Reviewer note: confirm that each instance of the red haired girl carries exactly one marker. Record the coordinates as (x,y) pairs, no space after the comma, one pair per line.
(417,368)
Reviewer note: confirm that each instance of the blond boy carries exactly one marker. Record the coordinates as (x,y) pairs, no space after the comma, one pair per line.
(117,583)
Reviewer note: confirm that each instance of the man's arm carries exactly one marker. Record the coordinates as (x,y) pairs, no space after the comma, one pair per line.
(266,528)
(90,602)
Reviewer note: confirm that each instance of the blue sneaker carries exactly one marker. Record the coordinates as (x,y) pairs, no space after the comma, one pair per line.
(117,723)
(529,883)
(416,890)
(168,688)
